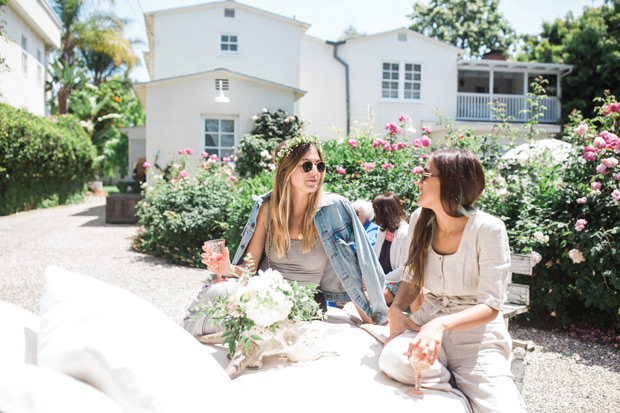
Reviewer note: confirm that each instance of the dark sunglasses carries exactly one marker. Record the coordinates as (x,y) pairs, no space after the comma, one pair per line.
(307,166)
(427,175)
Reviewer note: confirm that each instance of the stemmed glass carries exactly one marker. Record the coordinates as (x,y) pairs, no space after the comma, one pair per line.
(216,257)
(419,364)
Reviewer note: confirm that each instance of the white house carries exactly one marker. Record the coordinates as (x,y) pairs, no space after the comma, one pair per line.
(264,60)
(33,30)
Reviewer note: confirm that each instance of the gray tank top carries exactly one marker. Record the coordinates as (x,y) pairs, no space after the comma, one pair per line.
(296,266)
(303,268)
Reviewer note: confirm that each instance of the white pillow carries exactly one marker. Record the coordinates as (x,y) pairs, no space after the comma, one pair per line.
(18,335)
(125,347)
(32,389)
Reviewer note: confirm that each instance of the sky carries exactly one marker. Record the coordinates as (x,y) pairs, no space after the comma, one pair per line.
(328,18)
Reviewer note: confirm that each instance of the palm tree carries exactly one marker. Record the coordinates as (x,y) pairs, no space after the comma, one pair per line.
(98,38)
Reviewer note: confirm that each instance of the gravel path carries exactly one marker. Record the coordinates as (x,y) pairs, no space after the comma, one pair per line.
(563,374)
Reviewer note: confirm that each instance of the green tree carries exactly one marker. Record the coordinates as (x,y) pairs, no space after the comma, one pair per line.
(475,26)
(590,43)
(350,33)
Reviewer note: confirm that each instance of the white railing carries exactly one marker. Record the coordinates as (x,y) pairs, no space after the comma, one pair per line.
(477,106)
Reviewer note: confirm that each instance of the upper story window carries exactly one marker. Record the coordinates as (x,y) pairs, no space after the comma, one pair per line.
(39,56)
(229,44)
(25,63)
(24,43)
(401,81)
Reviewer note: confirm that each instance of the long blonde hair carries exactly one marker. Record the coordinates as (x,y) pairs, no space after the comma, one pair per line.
(282,202)
(462,182)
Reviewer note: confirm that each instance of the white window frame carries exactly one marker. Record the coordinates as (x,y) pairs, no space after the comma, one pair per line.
(24,43)
(219,149)
(228,42)
(25,64)
(402,81)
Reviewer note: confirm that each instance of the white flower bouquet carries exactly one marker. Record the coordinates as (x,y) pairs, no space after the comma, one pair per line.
(261,308)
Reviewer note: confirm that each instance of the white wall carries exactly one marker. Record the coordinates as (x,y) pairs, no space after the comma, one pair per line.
(41,18)
(439,77)
(323,77)
(269,48)
(175,111)
(19,89)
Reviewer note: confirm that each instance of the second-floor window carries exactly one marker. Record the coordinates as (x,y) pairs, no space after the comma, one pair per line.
(402,81)
(24,43)
(25,63)
(229,44)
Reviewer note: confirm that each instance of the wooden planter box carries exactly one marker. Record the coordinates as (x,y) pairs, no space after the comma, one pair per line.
(121,208)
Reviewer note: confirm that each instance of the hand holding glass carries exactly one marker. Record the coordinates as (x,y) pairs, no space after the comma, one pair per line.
(216,257)
(418,362)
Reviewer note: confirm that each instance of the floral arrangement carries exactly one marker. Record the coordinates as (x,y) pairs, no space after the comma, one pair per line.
(286,149)
(260,307)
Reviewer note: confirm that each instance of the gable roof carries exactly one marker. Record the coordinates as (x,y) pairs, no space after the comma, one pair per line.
(140,88)
(410,32)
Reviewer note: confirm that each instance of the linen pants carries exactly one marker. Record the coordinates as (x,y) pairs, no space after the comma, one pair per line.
(198,326)
(478,360)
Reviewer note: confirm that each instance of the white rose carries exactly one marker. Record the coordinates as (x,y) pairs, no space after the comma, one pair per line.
(535,257)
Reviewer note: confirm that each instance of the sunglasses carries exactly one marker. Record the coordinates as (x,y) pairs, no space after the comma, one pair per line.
(307,166)
(427,175)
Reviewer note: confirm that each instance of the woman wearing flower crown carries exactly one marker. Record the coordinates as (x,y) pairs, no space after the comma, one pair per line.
(308,236)
(462,256)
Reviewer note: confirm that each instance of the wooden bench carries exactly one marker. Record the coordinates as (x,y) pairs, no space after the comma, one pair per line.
(517,303)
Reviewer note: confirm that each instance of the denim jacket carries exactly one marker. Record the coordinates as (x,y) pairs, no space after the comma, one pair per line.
(339,229)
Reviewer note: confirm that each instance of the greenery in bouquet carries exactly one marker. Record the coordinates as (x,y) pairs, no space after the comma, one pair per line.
(260,306)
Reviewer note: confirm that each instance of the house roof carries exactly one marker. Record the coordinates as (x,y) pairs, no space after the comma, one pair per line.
(408,31)
(25,10)
(140,88)
(507,64)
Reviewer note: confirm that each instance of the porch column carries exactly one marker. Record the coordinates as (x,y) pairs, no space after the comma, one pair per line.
(491,85)
(524,104)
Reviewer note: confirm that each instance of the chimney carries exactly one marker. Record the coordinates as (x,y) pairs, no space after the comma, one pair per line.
(495,54)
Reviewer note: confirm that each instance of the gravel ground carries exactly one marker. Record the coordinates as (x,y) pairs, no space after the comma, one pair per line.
(562,374)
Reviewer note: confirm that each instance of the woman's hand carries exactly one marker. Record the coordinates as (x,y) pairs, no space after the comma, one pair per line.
(217,263)
(427,344)
(399,322)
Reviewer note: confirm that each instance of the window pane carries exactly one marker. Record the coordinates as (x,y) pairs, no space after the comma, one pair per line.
(417,76)
(416,86)
(210,150)
(227,152)
(227,125)
(395,75)
(408,94)
(210,140)
(408,86)
(227,141)
(395,66)
(385,85)
(233,47)
(416,95)
(394,94)
(394,85)
(408,76)
(224,46)
(224,38)
(408,67)
(211,125)
(386,75)
(417,68)
(386,66)
(233,39)
(385,94)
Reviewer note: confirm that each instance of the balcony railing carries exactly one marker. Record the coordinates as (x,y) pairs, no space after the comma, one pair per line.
(477,107)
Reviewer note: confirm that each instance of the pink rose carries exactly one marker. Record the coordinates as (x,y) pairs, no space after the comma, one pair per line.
(341,170)
(580,225)
(581,129)
(146,165)
(426,141)
(369,166)
(595,186)
(589,156)
(598,142)
(204,155)
(576,256)
(182,151)
(403,118)
(426,129)
(616,176)
(387,166)
(601,168)
(232,178)
(615,195)
(353,143)
(393,128)
(582,200)
(183,174)
(610,162)
(226,159)
(189,151)
(213,157)
(417,170)
(378,142)
(395,147)
(387,146)
(293,118)
(417,143)
(461,136)
(403,145)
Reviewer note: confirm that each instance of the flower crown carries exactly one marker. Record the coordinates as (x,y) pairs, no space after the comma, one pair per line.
(293,143)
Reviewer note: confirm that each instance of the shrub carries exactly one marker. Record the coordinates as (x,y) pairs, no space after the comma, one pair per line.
(254,153)
(43,162)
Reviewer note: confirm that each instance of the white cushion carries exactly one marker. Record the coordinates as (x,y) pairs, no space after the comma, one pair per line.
(18,335)
(32,389)
(124,346)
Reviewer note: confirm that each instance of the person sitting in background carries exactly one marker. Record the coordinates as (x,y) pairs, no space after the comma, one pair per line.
(365,213)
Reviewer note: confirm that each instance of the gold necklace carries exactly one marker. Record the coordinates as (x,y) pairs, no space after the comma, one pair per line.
(300,236)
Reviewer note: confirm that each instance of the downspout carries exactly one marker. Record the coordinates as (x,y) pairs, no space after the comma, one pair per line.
(346,71)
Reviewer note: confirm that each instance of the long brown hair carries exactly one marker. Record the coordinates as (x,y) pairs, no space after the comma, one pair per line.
(462,181)
(282,201)
(389,212)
